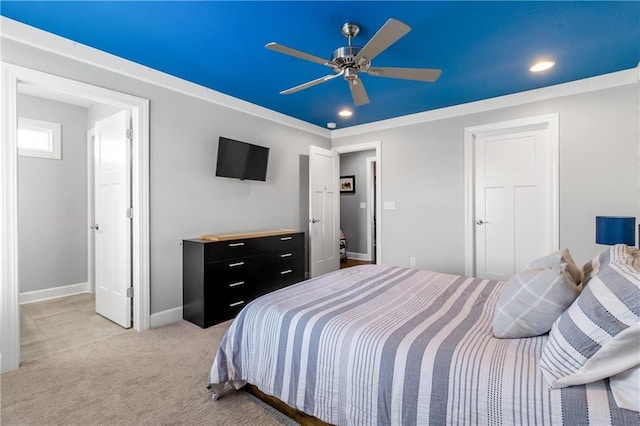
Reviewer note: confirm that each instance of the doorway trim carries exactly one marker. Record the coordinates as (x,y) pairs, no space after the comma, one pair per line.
(371,163)
(91,236)
(548,122)
(366,146)
(11,76)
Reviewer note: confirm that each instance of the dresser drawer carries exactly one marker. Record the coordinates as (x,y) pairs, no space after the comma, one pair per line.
(289,276)
(285,257)
(236,288)
(281,243)
(280,279)
(281,268)
(232,307)
(221,308)
(276,275)
(232,269)
(224,250)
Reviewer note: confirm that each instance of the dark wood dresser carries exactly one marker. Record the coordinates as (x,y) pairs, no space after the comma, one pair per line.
(222,273)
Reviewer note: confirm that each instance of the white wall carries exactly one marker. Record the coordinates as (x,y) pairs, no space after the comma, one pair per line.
(99,111)
(186,199)
(423,174)
(52,202)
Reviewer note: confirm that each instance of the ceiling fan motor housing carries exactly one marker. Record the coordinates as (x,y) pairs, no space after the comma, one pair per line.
(344,58)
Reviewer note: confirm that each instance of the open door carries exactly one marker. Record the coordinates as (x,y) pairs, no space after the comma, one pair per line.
(324,210)
(113,218)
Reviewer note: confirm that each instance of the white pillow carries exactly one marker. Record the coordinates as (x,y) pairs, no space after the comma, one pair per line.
(555,260)
(598,336)
(531,301)
(625,387)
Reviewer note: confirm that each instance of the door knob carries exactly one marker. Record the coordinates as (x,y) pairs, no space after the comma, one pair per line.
(314,220)
(96,227)
(480,222)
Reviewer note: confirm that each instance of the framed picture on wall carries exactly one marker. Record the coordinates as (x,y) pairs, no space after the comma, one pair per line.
(348,184)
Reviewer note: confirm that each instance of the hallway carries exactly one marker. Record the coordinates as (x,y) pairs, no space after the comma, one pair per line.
(59,324)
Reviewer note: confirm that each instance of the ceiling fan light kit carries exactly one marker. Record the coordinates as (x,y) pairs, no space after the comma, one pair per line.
(350,60)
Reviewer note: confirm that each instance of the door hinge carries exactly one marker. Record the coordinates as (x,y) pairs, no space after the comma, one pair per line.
(129,133)
(130,292)
(130,213)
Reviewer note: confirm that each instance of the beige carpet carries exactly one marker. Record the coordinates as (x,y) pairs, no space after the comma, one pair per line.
(157,377)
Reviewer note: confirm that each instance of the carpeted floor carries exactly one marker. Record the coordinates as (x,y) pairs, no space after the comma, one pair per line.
(157,377)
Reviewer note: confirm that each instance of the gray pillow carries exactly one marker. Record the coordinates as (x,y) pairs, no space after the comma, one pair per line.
(555,260)
(532,300)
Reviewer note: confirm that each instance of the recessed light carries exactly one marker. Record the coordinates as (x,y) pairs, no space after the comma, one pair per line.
(541,66)
(331,125)
(345,113)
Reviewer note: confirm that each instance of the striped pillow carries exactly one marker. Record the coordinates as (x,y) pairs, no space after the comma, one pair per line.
(599,335)
(620,253)
(591,267)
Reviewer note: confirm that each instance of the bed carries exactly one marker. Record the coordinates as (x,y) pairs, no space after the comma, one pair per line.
(385,345)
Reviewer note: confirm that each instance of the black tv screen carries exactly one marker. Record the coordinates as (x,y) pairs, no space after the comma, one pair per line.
(241,160)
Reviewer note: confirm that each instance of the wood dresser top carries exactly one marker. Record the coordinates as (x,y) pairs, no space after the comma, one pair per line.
(241,236)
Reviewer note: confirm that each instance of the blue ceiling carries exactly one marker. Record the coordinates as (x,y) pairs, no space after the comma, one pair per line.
(483,48)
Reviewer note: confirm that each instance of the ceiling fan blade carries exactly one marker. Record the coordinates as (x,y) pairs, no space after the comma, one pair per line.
(389,33)
(310,84)
(296,53)
(358,93)
(420,74)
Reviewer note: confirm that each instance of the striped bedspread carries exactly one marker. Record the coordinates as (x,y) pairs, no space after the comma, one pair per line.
(393,346)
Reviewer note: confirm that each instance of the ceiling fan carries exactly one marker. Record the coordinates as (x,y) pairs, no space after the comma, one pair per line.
(349,61)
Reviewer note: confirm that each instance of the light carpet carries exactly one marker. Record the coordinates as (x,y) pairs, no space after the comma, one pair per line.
(156,377)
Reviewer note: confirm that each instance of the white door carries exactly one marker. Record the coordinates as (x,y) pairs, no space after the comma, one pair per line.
(513,201)
(324,210)
(112,224)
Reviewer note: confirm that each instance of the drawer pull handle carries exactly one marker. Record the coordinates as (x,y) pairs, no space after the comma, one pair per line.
(236,284)
(233,265)
(286,255)
(231,305)
(285,238)
(288,271)
(236,244)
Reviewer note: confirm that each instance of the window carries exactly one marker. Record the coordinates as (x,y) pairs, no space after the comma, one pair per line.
(37,138)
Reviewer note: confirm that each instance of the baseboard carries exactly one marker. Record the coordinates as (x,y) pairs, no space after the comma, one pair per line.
(165,317)
(54,293)
(359,256)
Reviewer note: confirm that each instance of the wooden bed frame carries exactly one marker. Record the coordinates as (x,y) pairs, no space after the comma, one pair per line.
(303,418)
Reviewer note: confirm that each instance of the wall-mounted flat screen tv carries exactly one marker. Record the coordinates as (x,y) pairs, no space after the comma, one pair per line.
(241,160)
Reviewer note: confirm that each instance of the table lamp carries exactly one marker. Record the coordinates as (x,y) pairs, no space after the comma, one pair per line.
(611,230)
